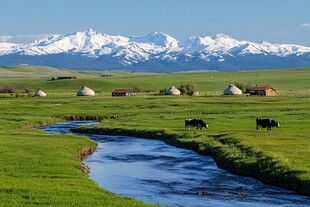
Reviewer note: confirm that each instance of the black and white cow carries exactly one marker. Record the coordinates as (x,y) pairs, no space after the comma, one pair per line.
(195,123)
(266,123)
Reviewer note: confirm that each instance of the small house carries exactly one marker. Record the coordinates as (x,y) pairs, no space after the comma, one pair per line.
(63,77)
(262,90)
(121,93)
(107,75)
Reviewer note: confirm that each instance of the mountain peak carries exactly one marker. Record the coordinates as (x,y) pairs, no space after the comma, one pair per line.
(90,30)
(158,35)
(156,38)
(221,36)
(156,48)
(264,42)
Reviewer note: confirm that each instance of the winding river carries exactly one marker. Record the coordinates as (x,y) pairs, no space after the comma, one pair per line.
(155,172)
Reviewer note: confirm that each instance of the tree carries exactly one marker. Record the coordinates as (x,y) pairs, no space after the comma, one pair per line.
(28,90)
(8,89)
(191,89)
(183,89)
(244,87)
(137,89)
(188,89)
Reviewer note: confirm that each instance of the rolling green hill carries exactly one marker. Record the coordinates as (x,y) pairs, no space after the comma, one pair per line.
(44,72)
(29,71)
(285,81)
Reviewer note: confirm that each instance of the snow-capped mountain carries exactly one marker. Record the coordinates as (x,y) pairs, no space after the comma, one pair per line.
(153,52)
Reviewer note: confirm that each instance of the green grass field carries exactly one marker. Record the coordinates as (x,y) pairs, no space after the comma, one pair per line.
(286,81)
(42,170)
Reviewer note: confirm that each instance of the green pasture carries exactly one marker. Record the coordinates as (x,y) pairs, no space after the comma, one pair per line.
(43,170)
(285,81)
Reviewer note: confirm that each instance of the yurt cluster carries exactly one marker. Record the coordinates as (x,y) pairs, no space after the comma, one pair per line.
(258,90)
(231,90)
(173,91)
(84,91)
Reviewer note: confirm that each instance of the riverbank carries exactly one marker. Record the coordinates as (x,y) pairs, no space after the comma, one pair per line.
(227,152)
(38,169)
(82,154)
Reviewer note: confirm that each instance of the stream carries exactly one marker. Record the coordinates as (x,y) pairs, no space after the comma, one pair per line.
(154,172)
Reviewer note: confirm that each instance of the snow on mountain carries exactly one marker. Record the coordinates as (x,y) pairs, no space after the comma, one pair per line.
(154,47)
(7,48)
(156,38)
(215,46)
(89,43)
(95,44)
(143,48)
(283,49)
(195,44)
(223,44)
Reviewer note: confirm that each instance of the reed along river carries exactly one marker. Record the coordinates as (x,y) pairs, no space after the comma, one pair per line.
(155,172)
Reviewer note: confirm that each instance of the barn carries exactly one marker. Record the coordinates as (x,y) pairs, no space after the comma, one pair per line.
(121,93)
(262,90)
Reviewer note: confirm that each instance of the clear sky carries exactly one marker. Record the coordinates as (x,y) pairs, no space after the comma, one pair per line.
(276,21)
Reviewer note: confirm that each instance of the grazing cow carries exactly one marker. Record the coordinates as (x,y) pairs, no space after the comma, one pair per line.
(263,123)
(195,123)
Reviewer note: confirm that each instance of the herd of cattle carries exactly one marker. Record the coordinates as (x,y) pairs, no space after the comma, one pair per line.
(260,123)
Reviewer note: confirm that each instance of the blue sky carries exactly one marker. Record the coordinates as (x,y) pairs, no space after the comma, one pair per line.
(277,21)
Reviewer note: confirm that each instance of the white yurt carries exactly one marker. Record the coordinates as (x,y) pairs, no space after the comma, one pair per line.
(173,91)
(85,91)
(232,90)
(41,93)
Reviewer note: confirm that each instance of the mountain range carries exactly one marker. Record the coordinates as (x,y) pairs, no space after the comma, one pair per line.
(155,52)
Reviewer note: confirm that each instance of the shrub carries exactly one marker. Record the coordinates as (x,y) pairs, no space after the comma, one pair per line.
(28,90)
(137,89)
(244,87)
(188,89)
(183,89)
(191,89)
(8,89)
(162,91)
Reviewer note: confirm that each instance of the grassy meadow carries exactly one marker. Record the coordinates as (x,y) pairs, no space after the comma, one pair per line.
(43,170)
(285,81)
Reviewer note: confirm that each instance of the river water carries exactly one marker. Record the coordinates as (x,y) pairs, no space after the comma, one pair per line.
(155,172)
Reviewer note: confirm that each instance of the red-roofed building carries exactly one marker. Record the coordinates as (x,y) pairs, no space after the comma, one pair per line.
(121,93)
(262,90)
